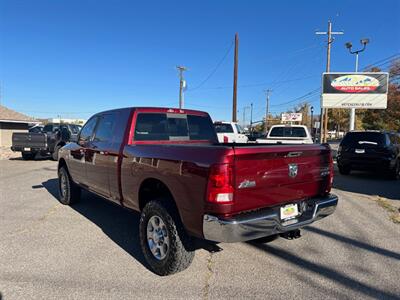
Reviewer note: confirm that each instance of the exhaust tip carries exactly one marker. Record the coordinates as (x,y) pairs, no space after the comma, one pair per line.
(291,235)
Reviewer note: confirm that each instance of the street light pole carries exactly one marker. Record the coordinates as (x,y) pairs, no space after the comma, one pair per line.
(349,45)
(324,111)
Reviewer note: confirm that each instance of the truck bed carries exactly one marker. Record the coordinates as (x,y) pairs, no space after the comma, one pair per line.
(261,175)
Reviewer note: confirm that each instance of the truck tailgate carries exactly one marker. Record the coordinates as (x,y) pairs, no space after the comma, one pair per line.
(29,140)
(277,174)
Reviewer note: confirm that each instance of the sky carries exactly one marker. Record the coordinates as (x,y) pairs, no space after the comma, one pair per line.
(75,58)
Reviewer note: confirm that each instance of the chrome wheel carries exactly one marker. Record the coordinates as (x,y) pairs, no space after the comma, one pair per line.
(63,185)
(157,237)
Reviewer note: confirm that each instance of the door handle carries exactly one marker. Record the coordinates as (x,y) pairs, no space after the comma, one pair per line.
(104,152)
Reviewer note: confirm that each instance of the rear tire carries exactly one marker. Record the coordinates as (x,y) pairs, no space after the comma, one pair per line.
(395,173)
(165,245)
(344,170)
(69,192)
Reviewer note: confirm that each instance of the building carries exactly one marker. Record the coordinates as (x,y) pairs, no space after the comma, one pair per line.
(64,120)
(10,122)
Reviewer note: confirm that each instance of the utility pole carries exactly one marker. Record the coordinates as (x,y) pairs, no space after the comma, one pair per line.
(251,117)
(235,73)
(324,112)
(267,92)
(182,85)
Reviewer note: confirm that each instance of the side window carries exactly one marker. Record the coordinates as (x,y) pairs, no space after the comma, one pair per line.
(87,130)
(48,128)
(105,129)
(239,128)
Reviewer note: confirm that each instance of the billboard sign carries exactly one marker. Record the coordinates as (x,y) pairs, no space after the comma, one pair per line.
(355,90)
(292,117)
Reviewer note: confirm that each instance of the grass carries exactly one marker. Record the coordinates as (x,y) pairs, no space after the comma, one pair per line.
(394,212)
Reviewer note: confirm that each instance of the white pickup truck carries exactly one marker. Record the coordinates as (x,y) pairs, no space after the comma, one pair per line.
(230,132)
(287,134)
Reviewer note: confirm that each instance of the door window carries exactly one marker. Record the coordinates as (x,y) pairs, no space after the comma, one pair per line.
(105,129)
(87,130)
(48,128)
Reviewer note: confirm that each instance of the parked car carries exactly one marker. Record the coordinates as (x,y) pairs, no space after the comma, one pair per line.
(287,134)
(370,151)
(230,132)
(48,141)
(168,165)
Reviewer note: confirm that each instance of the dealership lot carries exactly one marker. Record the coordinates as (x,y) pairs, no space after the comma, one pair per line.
(91,250)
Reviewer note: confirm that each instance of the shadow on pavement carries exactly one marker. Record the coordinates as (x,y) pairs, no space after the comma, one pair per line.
(326,272)
(37,158)
(368,184)
(353,242)
(119,224)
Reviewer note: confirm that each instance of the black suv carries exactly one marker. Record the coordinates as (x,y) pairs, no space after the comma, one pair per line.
(370,151)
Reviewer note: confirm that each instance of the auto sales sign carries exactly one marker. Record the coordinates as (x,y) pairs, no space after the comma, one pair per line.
(355,90)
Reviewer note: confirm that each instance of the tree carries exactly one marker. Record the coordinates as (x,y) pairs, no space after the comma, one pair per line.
(386,119)
(304,109)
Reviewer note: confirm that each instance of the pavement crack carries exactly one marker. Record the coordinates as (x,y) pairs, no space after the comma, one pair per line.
(209,274)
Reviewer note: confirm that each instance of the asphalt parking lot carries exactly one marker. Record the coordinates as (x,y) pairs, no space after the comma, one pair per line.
(91,250)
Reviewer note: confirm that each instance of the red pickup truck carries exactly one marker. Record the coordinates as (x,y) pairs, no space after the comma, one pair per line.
(168,165)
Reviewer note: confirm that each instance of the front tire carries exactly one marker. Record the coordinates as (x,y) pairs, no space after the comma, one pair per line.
(164,242)
(69,192)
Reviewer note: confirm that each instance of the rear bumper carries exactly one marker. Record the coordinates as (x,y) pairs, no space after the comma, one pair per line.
(250,226)
(31,149)
(369,163)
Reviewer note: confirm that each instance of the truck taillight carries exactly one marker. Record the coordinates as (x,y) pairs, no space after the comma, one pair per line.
(220,184)
(330,177)
(226,139)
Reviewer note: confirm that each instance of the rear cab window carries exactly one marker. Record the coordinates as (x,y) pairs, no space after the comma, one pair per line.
(223,128)
(288,132)
(173,127)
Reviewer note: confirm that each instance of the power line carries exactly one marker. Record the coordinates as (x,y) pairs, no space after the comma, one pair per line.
(250,85)
(299,98)
(214,70)
(308,94)
(387,59)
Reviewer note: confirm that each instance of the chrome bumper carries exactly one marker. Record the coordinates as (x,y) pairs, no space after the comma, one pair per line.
(250,226)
